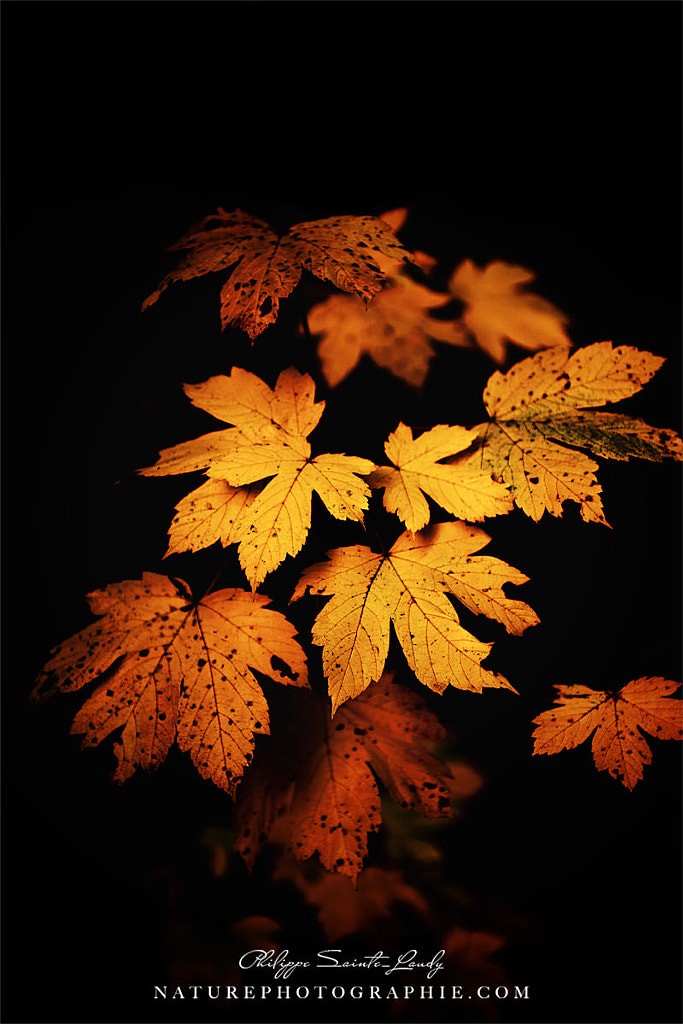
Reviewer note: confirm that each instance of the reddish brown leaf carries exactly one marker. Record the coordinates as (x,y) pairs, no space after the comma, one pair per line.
(313,790)
(267,267)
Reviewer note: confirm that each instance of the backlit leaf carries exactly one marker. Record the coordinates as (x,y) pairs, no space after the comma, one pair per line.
(618,721)
(395,330)
(408,587)
(539,407)
(175,669)
(497,312)
(266,267)
(266,451)
(463,488)
(314,790)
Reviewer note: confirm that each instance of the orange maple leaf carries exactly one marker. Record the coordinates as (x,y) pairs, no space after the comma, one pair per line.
(345,907)
(314,790)
(341,250)
(394,330)
(267,442)
(408,587)
(496,311)
(618,745)
(172,667)
(461,487)
(538,408)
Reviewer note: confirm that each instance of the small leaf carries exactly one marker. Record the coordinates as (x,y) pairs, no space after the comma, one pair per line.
(616,719)
(462,488)
(496,311)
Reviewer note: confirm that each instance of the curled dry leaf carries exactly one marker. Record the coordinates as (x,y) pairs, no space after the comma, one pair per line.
(616,719)
(269,442)
(408,587)
(539,407)
(174,668)
(463,488)
(496,311)
(342,250)
(314,790)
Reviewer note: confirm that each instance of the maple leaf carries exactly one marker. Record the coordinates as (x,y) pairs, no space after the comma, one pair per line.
(172,667)
(314,789)
(341,250)
(394,330)
(345,908)
(616,718)
(267,442)
(462,488)
(408,587)
(538,408)
(496,311)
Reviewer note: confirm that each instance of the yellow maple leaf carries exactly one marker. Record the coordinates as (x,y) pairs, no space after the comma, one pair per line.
(408,587)
(616,718)
(268,442)
(538,408)
(463,488)
(176,668)
(496,311)
(341,250)
(314,790)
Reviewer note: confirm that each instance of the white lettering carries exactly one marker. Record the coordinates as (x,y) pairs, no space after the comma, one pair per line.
(501,992)
(178,994)
(356,992)
(249,992)
(160,991)
(480,992)
(522,993)
(456,992)
(218,991)
(374,992)
(338,992)
(426,992)
(284,989)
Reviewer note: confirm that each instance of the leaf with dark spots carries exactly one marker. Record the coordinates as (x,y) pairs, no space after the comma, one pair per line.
(313,789)
(266,267)
(616,720)
(190,679)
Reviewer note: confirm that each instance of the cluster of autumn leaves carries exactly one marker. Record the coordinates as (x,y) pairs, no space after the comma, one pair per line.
(175,668)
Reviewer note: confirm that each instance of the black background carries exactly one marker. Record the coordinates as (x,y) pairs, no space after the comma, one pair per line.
(544,134)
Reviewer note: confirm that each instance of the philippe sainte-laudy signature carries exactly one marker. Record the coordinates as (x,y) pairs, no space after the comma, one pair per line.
(283,965)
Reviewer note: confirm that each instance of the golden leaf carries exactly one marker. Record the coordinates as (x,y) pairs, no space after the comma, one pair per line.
(408,587)
(462,488)
(496,311)
(538,408)
(268,442)
(341,250)
(314,790)
(175,667)
(394,330)
(616,718)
